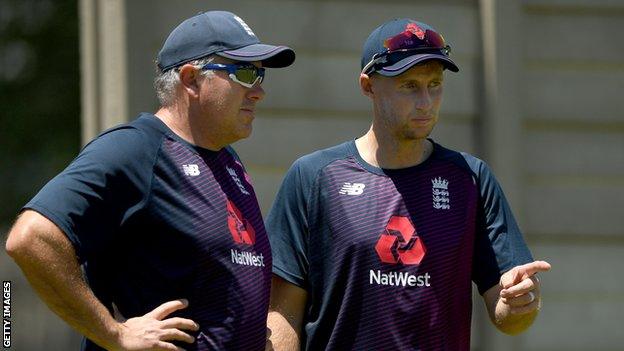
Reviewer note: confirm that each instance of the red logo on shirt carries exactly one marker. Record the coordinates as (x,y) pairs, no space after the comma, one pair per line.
(240,228)
(400,243)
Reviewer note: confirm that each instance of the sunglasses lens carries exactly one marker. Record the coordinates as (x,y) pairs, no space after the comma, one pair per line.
(249,74)
(246,75)
(434,39)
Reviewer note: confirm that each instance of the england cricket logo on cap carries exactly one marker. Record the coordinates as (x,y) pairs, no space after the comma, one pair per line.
(245,26)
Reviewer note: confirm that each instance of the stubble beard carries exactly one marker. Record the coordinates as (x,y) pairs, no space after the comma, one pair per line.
(403,132)
(411,134)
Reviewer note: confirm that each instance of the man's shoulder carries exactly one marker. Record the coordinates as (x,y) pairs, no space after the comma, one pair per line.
(129,137)
(144,127)
(462,159)
(132,144)
(317,160)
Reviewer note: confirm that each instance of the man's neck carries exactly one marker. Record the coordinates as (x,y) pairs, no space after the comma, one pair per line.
(179,122)
(391,153)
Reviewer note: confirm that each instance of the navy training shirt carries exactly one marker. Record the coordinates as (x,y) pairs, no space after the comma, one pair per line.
(387,256)
(153,218)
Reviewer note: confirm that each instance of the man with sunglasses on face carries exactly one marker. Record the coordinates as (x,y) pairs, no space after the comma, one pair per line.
(376,242)
(160,212)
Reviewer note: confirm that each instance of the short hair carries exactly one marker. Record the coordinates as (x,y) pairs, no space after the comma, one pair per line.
(165,83)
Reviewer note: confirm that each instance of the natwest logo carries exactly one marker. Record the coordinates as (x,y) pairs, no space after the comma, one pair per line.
(400,243)
(240,228)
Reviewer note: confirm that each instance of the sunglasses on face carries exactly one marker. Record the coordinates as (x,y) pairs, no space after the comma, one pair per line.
(244,74)
(412,39)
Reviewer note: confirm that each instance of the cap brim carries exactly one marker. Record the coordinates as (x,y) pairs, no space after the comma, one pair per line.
(270,55)
(408,62)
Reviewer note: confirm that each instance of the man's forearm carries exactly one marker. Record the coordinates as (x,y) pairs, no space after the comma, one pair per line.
(283,337)
(50,265)
(75,303)
(286,314)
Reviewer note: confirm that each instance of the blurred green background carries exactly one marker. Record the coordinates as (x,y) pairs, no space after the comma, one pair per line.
(39,96)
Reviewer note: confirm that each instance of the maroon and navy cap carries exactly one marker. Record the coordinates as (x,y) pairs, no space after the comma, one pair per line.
(222,33)
(397,45)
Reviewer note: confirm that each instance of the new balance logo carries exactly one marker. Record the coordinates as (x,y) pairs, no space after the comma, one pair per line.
(191,170)
(352,189)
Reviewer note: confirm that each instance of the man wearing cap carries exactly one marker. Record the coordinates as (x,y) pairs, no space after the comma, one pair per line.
(376,241)
(160,212)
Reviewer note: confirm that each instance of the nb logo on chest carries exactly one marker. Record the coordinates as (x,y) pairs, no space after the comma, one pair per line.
(352,189)
(191,170)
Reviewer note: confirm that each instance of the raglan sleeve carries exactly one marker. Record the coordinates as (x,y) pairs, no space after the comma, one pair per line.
(288,227)
(499,244)
(99,189)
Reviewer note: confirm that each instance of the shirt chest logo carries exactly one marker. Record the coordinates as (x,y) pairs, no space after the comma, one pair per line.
(191,170)
(243,234)
(399,244)
(439,190)
(352,189)
(237,180)
(241,229)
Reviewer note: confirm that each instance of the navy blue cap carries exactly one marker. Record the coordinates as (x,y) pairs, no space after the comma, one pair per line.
(222,33)
(399,44)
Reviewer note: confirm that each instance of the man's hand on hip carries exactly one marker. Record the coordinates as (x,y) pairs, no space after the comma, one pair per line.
(154,331)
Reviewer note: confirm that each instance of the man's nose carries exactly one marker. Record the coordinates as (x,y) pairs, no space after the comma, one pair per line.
(256,92)
(423,99)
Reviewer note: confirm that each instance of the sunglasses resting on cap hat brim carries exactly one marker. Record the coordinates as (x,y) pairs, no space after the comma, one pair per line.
(399,44)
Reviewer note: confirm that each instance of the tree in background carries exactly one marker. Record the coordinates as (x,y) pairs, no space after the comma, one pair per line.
(39,96)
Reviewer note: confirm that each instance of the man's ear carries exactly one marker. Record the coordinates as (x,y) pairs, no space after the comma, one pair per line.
(366,85)
(189,79)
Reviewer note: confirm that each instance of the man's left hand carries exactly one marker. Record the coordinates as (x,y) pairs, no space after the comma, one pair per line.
(520,288)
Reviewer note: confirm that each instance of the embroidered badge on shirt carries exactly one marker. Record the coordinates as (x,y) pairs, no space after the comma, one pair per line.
(237,180)
(440,193)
